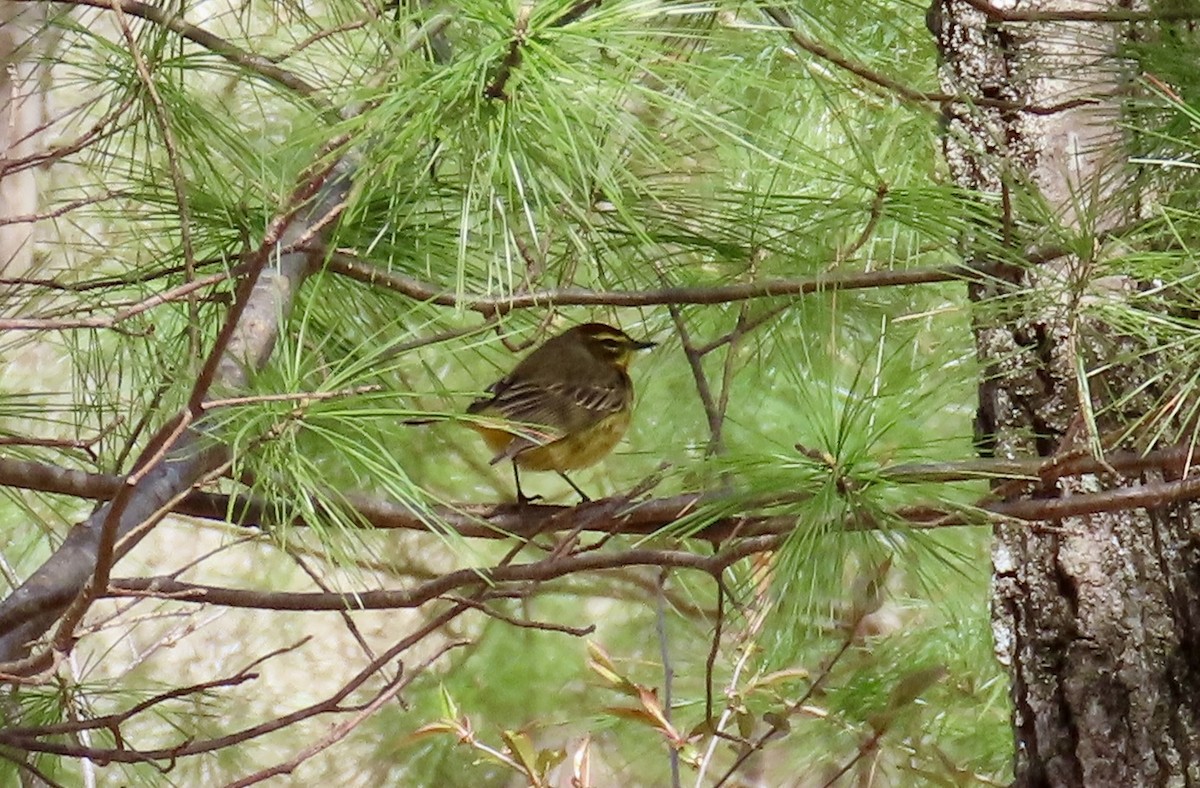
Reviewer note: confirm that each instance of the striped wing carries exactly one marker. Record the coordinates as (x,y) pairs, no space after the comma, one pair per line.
(561,408)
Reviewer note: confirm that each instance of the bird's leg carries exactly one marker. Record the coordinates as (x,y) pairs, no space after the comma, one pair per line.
(522,499)
(575,487)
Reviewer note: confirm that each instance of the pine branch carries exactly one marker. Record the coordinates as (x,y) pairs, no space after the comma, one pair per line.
(619,515)
(182,453)
(699,294)
(253,63)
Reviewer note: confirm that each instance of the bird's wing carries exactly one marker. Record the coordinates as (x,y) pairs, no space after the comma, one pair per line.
(560,407)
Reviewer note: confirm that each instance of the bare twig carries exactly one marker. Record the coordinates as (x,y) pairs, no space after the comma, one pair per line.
(523,623)
(544,570)
(300,46)
(341,730)
(113,722)
(660,626)
(54,213)
(347,619)
(700,379)
(30,740)
(98,130)
(714,649)
(102,283)
(302,397)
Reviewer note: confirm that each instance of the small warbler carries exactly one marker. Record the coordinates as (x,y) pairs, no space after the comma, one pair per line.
(567,403)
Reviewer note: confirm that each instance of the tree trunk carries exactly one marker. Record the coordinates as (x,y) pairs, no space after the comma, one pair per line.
(1097,616)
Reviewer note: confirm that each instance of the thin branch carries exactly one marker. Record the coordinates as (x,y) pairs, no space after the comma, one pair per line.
(347,619)
(523,623)
(30,742)
(660,627)
(442,585)
(868,230)
(103,283)
(867,746)
(341,730)
(714,649)
(184,290)
(700,379)
(113,722)
(512,59)
(98,131)
(56,212)
(85,444)
(701,294)
(299,47)
(1166,14)
(302,397)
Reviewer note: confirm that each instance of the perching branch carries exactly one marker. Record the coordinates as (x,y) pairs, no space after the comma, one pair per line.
(489,521)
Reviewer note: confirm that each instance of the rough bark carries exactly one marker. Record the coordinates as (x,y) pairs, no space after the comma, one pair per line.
(1097,617)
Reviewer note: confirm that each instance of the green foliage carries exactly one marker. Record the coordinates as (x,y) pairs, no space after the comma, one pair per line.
(635,147)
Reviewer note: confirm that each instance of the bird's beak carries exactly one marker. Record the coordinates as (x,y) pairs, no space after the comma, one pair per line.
(637,345)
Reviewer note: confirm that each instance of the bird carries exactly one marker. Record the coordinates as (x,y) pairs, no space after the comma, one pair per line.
(564,406)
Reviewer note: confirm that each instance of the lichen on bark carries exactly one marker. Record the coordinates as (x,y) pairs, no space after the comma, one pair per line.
(1096,617)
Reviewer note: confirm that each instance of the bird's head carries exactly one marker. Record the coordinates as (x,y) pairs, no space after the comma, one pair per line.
(608,344)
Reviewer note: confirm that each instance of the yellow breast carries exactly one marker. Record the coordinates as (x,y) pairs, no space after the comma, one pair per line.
(577,450)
